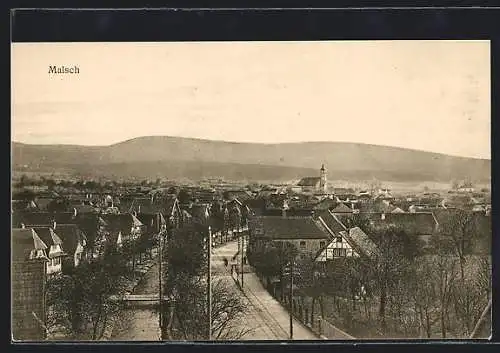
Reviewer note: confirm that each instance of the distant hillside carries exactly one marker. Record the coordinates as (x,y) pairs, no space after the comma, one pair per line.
(194,158)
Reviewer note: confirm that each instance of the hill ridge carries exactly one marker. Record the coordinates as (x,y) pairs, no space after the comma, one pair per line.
(341,158)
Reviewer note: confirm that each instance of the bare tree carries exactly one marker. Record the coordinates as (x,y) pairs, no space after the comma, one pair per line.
(83,303)
(186,316)
(424,295)
(445,276)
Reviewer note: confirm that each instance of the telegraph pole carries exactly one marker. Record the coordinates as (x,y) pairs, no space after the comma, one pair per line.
(209,287)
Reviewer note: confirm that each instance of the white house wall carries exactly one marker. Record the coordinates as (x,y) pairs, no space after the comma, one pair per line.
(328,253)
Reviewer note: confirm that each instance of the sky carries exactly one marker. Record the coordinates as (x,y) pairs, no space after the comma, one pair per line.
(424,95)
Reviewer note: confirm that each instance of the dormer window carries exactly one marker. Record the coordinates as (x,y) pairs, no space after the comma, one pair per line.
(37,254)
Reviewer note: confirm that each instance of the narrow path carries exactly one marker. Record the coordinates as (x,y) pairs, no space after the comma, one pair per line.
(140,323)
(268,319)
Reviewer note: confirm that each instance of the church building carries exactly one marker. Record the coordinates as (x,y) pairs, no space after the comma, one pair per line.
(314,184)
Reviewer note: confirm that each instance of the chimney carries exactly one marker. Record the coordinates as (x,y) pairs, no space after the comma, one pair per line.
(23,226)
(75,212)
(382,216)
(54,224)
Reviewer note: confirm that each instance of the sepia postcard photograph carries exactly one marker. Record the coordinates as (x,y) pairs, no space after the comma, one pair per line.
(251,191)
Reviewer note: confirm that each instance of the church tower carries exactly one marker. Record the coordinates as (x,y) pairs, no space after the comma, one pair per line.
(322,182)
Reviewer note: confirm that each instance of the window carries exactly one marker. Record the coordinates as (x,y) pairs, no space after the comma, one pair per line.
(339,252)
(321,244)
(56,261)
(36,254)
(302,244)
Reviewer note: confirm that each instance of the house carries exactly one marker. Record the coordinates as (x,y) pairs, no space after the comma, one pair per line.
(42,218)
(121,228)
(303,232)
(309,184)
(172,212)
(204,196)
(28,281)
(200,213)
(74,244)
(463,201)
(343,209)
(396,209)
(348,243)
(421,224)
(23,205)
(242,195)
(384,194)
(85,208)
(55,251)
(93,226)
(154,222)
(325,204)
(331,222)
(27,245)
(43,203)
(143,204)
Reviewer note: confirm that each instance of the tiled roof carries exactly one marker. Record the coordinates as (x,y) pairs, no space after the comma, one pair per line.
(168,205)
(42,218)
(85,209)
(241,195)
(331,222)
(292,212)
(325,204)
(48,236)
(361,242)
(136,222)
(71,236)
(23,242)
(125,205)
(21,205)
(139,203)
(342,208)
(419,222)
(153,222)
(43,202)
(118,222)
(199,211)
(290,227)
(309,181)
